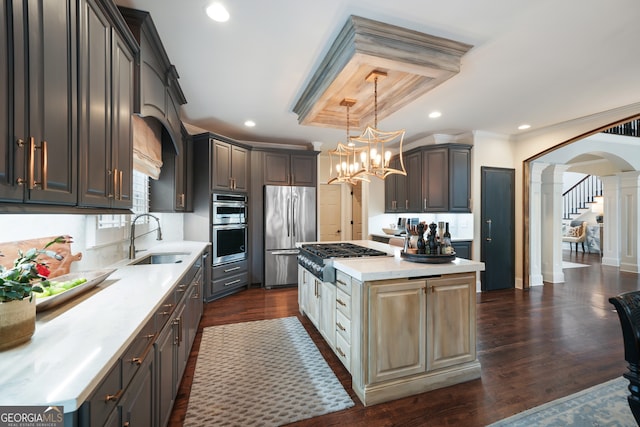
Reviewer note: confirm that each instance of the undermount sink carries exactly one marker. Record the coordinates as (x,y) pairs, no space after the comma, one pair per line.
(165,258)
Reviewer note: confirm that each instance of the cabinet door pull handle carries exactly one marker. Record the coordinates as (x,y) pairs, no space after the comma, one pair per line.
(138,360)
(120,185)
(489,234)
(425,204)
(113,397)
(31,181)
(115,184)
(110,189)
(44,167)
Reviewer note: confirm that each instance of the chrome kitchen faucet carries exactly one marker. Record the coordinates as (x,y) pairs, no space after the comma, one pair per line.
(132,237)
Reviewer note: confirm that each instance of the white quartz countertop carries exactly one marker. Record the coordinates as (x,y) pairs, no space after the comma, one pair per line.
(75,344)
(396,267)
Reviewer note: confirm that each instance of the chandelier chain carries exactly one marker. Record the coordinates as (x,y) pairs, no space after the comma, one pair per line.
(375,102)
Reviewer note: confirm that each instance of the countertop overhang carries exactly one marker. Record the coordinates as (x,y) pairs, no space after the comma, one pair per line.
(75,344)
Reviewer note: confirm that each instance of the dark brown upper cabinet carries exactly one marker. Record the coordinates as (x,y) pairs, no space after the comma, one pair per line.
(38,112)
(438,180)
(107,57)
(286,168)
(230,166)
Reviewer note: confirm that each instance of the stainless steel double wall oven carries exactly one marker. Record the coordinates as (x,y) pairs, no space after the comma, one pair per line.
(229,224)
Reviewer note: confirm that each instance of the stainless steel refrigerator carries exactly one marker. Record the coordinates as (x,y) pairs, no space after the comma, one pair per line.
(289,217)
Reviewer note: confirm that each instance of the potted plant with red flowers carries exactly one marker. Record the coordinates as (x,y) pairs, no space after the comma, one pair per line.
(17,285)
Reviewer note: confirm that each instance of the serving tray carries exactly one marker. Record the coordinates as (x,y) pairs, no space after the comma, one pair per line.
(428,259)
(93,277)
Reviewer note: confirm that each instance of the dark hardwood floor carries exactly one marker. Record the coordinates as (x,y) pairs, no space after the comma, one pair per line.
(534,346)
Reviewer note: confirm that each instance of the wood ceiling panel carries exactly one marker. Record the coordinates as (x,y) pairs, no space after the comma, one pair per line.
(414,62)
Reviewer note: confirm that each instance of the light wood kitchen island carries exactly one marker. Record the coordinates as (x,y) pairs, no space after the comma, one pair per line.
(400,328)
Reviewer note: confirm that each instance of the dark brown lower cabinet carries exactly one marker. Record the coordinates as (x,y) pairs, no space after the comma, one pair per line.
(141,387)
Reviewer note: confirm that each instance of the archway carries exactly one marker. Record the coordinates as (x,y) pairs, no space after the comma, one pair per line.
(601,154)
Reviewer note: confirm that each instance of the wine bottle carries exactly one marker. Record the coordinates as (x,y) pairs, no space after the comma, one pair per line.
(447,241)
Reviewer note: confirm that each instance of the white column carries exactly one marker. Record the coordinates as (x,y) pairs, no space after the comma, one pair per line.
(552,223)
(629,211)
(535,223)
(611,220)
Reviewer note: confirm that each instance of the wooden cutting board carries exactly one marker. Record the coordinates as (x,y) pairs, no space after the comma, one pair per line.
(9,250)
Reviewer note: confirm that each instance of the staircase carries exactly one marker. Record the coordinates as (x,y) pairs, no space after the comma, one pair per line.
(579,198)
(631,128)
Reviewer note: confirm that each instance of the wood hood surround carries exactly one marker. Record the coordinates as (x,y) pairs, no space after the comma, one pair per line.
(414,62)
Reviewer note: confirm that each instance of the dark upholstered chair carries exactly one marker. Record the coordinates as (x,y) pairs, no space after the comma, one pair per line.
(628,307)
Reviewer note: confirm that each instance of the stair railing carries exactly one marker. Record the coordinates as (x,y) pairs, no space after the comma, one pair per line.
(581,195)
(631,128)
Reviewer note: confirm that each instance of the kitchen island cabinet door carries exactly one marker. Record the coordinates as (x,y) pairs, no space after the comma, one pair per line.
(450,320)
(397,330)
(328,312)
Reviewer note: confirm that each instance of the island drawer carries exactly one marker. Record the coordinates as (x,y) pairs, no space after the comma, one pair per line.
(138,350)
(343,350)
(343,326)
(343,282)
(343,303)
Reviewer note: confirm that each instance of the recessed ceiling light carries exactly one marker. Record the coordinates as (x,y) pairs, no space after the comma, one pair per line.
(434,114)
(524,127)
(249,123)
(218,12)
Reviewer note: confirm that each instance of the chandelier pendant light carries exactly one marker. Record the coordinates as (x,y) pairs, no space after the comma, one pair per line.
(345,159)
(376,157)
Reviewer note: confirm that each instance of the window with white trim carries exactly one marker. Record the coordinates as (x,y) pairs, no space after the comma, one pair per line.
(140,204)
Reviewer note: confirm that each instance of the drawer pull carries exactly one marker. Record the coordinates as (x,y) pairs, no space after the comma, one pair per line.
(229,270)
(138,360)
(342,328)
(339,350)
(168,306)
(181,288)
(342,303)
(340,282)
(233,282)
(113,397)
